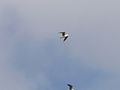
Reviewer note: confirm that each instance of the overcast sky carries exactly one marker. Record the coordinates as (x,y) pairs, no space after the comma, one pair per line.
(33,57)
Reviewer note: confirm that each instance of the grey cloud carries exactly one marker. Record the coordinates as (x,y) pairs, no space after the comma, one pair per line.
(29,44)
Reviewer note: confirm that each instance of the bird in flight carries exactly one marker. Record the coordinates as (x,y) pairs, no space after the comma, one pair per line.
(70,87)
(64,35)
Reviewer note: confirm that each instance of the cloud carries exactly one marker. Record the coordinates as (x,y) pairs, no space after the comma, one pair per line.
(9,77)
(33,57)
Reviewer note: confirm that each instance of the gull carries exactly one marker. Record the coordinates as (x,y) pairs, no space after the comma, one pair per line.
(70,87)
(64,35)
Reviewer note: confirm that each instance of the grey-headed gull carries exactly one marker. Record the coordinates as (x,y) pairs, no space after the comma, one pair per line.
(64,35)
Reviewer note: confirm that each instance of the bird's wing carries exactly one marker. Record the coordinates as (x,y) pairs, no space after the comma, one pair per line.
(64,40)
(69,85)
(63,33)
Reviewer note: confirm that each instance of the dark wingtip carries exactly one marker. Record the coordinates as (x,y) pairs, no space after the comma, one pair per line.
(69,85)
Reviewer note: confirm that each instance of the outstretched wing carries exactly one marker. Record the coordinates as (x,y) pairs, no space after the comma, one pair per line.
(63,33)
(70,85)
(65,38)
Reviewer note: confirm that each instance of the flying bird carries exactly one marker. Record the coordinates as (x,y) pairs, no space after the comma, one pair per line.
(70,87)
(64,35)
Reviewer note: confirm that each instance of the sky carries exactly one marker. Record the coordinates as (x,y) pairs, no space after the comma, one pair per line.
(33,57)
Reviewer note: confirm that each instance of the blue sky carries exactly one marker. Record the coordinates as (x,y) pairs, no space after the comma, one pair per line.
(32,56)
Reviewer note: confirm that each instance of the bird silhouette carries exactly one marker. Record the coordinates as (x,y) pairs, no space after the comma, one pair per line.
(64,35)
(70,87)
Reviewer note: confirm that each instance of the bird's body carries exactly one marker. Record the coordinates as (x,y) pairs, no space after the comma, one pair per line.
(64,35)
(70,87)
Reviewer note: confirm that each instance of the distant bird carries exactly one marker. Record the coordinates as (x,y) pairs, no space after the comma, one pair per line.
(70,87)
(64,35)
